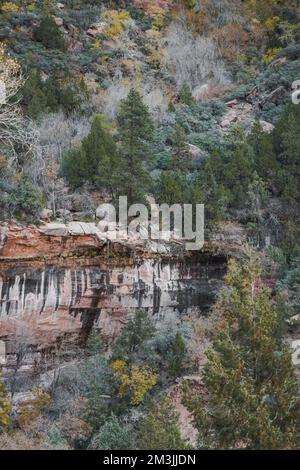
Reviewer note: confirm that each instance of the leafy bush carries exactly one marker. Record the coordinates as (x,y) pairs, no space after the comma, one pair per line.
(49,34)
(113,435)
(50,95)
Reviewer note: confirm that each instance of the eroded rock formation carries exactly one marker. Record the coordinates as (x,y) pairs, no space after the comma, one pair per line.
(57,283)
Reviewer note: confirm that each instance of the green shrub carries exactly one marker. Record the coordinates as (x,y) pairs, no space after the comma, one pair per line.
(49,34)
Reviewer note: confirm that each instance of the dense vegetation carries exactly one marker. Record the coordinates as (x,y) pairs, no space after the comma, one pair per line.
(189,104)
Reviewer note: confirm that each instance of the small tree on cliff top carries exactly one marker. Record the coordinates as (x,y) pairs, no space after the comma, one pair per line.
(252,392)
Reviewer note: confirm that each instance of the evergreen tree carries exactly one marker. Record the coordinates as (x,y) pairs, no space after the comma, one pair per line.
(206,190)
(173,188)
(99,389)
(264,155)
(94,344)
(134,336)
(113,435)
(176,355)
(52,91)
(100,150)
(290,155)
(49,34)
(238,173)
(74,167)
(37,105)
(185,95)
(181,156)
(252,391)
(95,160)
(158,429)
(136,131)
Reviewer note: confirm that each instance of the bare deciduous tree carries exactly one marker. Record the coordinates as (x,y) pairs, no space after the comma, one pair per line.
(193,60)
(15,130)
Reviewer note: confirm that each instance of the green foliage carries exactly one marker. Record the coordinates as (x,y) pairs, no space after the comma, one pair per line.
(176,355)
(133,339)
(55,438)
(173,188)
(136,131)
(99,390)
(40,97)
(95,160)
(181,157)
(29,198)
(238,172)
(158,429)
(173,185)
(94,344)
(264,154)
(49,34)
(22,200)
(252,391)
(209,188)
(185,95)
(290,284)
(114,435)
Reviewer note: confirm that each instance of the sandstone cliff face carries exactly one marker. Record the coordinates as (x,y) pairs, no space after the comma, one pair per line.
(54,285)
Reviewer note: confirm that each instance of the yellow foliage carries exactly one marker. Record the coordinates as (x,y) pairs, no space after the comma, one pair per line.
(31,7)
(116,23)
(157,52)
(31,410)
(158,16)
(97,44)
(134,380)
(272,23)
(9,7)
(270,55)
(118,366)
(5,406)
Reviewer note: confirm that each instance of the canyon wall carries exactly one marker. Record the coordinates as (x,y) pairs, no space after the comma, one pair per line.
(52,285)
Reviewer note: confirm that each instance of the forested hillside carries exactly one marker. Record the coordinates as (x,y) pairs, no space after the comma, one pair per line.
(183,101)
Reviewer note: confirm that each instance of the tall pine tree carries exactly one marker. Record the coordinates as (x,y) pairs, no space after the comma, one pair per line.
(249,378)
(136,131)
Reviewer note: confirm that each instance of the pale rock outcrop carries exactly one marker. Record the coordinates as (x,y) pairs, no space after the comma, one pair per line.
(96,29)
(58,21)
(46,214)
(267,127)
(59,279)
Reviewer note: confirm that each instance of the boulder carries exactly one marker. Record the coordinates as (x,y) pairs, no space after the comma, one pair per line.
(45,214)
(74,228)
(230,117)
(55,230)
(232,103)
(64,214)
(266,126)
(194,151)
(97,29)
(88,228)
(58,21)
